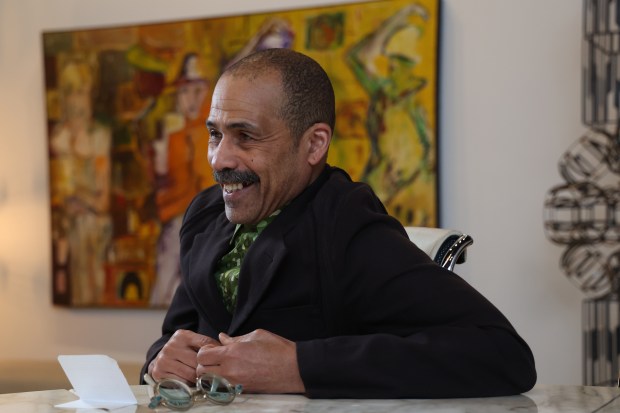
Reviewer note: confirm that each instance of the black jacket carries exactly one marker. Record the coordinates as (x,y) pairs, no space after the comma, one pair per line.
(372,315)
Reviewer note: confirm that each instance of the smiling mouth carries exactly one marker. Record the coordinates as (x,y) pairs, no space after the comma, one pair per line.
(232,188)
(233,181)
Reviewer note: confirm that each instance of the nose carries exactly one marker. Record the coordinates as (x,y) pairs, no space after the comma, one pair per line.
(223,154)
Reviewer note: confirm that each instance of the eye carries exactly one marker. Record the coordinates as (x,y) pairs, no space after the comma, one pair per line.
(214,135)
(245,136)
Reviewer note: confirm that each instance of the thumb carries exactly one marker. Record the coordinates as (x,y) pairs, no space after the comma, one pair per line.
(225,339)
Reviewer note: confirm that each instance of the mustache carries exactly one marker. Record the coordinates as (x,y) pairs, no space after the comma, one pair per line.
(230,176)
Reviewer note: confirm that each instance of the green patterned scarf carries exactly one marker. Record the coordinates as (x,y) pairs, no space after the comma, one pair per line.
(229,267)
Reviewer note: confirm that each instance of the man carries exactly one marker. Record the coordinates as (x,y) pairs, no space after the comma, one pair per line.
(332,299)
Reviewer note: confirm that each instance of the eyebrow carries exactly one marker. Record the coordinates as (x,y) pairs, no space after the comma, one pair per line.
(234,125)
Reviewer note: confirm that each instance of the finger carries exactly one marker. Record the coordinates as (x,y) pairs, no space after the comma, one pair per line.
(175,352)
(209,355)
(225,338)
(256,335)
(173,369)
(194,340)
(177,359)
(189,379)
(217,370)
(201,340)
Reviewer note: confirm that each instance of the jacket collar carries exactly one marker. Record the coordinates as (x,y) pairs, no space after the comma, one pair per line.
(268,251)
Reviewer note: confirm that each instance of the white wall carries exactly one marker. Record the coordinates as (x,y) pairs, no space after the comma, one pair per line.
(510,106)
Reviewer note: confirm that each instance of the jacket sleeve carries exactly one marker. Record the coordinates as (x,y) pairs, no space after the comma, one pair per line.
(181,315)
(413,329)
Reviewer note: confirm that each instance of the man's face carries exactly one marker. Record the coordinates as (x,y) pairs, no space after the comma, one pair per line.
(248,137)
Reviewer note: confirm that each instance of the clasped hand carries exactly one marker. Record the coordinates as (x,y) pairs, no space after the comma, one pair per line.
(261,361)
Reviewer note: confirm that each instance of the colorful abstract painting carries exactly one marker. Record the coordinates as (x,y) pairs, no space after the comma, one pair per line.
(126,108)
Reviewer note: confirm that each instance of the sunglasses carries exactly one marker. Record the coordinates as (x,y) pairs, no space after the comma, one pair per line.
(176,395)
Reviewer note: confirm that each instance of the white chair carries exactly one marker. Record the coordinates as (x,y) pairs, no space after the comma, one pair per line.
(446,247)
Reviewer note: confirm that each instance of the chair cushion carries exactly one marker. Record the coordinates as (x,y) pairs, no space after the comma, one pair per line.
(431,240)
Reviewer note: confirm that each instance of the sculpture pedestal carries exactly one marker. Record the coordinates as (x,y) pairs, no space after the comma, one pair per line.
(601,340)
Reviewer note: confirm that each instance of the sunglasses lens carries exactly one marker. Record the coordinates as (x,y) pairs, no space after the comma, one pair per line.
(174,395)
(216,389)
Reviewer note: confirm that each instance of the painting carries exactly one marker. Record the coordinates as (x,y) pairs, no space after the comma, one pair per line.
(126,107)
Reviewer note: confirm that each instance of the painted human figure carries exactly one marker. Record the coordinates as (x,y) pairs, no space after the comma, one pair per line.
(80,164)
(181,170)
(274,33)
(397,124)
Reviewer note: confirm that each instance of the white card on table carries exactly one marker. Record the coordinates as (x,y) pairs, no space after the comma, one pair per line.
(98,382)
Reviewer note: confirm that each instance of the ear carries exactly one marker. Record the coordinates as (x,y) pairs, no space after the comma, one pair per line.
(318,138)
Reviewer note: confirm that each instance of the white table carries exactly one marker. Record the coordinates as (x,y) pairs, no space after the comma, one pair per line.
(543,398)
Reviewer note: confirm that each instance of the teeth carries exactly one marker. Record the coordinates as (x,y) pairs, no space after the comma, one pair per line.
(230,188)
